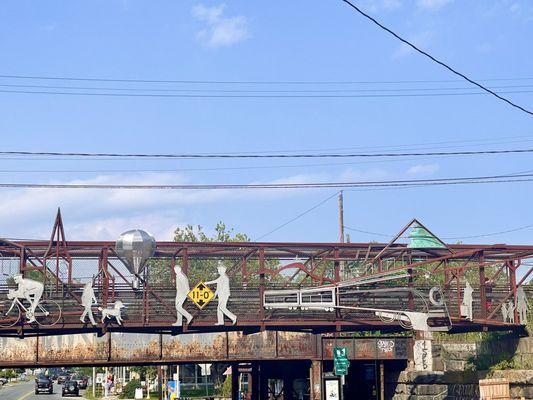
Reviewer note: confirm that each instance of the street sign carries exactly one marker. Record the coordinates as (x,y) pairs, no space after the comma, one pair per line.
(341,370)
(201,295)
(340,361)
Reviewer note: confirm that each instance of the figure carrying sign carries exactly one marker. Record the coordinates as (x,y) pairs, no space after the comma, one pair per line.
(223,293)
(30,290)
(88,298)
(182,289)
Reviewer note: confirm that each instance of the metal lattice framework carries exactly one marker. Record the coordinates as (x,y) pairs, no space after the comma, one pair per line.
(312,287)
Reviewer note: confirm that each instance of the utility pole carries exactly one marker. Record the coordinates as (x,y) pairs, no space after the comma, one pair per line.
(94,381)
(341,218)
(341,231)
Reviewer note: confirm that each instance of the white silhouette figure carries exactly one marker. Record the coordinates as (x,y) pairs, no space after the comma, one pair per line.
(223,293)
(88,298)
(467,300)
(510,311)
(505,312)
(182,289)
(115,311)
(522,304)
(30,290)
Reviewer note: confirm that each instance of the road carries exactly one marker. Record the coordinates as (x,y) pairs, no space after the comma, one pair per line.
(26,391)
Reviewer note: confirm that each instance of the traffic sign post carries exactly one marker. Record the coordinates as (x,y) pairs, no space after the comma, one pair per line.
(201,294)
(340,361)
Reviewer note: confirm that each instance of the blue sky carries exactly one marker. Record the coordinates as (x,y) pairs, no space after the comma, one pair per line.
(265,41)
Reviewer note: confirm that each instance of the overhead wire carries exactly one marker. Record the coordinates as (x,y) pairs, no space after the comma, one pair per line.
(410,146)
(509,178)
(264,155)
(298,216)
(248,82)
(261,96)
(188,90)
(434,59)
(520,228)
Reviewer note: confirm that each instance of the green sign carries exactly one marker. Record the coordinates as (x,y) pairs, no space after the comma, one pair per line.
(340,361)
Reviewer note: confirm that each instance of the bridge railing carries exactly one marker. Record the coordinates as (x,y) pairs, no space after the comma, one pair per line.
(277,285)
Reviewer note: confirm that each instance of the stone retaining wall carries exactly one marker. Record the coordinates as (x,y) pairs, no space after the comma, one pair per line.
(450,356)
(450,379)
(455,385)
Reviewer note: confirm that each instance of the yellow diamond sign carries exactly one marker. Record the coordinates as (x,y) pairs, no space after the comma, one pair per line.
(201,295)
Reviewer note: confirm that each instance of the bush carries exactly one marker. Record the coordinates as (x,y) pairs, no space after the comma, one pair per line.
(226,387)
(129,390)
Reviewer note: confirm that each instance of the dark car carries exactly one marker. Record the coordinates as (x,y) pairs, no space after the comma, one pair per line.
(70,388)
(62,378)
(43,384)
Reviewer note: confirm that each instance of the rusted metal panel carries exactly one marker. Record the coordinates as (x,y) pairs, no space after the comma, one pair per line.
(368,348)
(295,345)
(15,350)
(365,349)
(195,346)
(134,346)
(386,349)
(330,343)
(256,346)
(75,348)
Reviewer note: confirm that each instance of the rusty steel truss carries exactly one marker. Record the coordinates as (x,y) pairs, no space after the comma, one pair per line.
(494,271)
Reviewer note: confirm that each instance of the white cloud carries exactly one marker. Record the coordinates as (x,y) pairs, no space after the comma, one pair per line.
(220,30)
(419,39)
(423,169)
(432,5)
(382,5)
(96,214)
(355,175)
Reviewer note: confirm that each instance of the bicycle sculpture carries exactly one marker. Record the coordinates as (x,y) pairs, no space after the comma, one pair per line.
(43,312)
(431,308)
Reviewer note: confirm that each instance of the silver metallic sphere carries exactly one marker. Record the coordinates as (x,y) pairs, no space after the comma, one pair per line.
(135,247)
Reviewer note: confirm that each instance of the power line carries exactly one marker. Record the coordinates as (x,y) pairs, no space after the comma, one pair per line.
(265,155)
(264,96)
(405,147)
(297,216)
(509,178)
(188,90)
(484,88)
(246,167)
(520,228)
(248,82)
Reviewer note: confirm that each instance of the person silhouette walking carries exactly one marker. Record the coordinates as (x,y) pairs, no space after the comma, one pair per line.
(223,292)
(522,305)
(88,298)
(182,289)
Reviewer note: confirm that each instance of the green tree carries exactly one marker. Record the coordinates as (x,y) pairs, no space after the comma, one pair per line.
(160,271)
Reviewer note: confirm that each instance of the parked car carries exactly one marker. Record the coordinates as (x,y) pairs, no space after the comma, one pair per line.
(3,381)
(70,388)
(44,384)
(82,381)
(62,378)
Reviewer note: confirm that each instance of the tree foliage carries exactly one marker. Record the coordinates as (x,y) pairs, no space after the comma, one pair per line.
(161,273)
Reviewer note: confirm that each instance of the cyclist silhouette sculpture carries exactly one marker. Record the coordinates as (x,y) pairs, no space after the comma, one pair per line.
(30,290)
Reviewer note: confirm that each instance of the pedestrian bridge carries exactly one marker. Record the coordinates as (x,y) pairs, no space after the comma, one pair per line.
(420,284)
